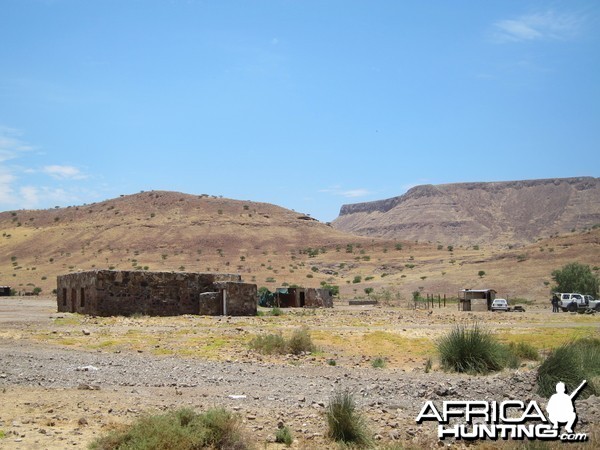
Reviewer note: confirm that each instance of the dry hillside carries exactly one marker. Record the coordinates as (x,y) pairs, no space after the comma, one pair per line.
(268,245)
(479,213)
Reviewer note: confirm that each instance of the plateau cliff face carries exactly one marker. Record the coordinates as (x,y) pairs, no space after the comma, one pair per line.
(473,213)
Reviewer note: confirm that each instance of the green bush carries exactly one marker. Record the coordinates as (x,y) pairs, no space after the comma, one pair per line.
(182,429)
(571,363)
(472,350)
(524,350)
(276,311)
(268,344)
(378,363)
(300,341)
(284,436)
(345,424)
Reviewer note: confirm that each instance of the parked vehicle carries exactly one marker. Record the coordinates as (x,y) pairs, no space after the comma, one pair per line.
(500,304)
(592,303)
(572,302)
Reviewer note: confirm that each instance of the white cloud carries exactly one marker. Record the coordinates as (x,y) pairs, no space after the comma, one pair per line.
(64,172)
(29,196)
(353,193)
(349,193)
(11,144)
(6,190)
(14,194)
(542,26)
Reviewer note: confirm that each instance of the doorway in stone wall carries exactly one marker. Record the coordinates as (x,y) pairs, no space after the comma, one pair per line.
(73,300)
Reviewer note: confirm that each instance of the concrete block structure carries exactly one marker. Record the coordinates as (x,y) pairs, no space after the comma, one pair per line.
(476,299)
(122,292)
(303,297)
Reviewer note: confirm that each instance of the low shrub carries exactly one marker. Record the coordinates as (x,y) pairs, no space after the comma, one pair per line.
(428,365)
(276,311)
(345,424)
(283,435)
(571,363)
(471,350)
(182,429)
(300,341)
(378,363)
(268,344)
(524,350)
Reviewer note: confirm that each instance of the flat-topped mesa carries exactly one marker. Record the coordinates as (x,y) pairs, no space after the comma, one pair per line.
(426,190)
(470,213)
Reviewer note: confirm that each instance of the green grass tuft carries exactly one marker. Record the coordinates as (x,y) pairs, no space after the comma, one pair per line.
(269,344)
(276,311)
(473,350)
(525,351)
(378,363)
(571,363)
(345,423)
(284,436)
(182,429)
(299,342)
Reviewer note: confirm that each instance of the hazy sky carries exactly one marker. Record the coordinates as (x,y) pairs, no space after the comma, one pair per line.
(305,104)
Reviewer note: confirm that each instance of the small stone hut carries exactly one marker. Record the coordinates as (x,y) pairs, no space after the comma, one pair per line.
(303,297)
(476,299)
(123,292)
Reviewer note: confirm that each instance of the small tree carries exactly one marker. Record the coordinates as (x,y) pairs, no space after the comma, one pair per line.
(368,291)
(481,273)
(575,277)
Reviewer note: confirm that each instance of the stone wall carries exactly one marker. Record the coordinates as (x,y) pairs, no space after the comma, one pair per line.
(320,298)
(242,298)
(114,292)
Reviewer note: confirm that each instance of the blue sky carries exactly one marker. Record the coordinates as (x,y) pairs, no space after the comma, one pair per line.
(305,104)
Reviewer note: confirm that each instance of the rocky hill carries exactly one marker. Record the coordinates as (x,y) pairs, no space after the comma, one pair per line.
(155,230)
(273,246)
(474,213)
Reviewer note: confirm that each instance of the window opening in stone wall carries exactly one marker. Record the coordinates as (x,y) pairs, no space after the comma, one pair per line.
(64,296)
(82,297)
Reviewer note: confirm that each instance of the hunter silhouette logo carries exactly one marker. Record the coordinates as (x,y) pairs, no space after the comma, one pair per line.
(560,407)
(509,419)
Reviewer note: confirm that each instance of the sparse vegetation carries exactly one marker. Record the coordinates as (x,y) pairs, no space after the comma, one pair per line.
(269,344)
(181,429)
(524,350)
(571,363)
(378,363)
(474,350)
(345,423)
(283,435)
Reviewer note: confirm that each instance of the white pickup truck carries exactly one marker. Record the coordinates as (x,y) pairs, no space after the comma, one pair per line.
(572,302)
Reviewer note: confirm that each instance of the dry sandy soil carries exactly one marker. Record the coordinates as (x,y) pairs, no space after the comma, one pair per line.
(65,379)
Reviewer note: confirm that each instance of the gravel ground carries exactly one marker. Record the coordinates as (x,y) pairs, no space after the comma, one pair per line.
(53,397)
(293,394)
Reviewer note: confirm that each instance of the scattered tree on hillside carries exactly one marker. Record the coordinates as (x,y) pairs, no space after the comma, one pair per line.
(576,277)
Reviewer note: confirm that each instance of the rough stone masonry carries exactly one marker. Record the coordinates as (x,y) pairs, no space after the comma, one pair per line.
(127,292)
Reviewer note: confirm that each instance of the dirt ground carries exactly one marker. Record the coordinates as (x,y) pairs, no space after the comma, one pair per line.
(65,379)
